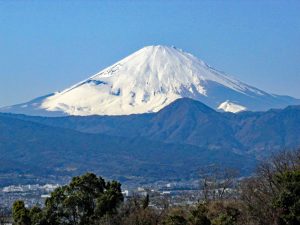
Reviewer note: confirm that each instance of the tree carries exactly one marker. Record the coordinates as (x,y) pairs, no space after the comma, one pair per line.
(20,214)
(146,201)
(175,220)
(84,201)
(37,216)
(199,215)
(109,200)
(229,216)
(217,183)
(287,202)
(272,184)
(134,212)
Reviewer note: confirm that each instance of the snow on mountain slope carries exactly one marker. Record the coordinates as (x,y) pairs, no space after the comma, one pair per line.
(228,106)
(147,81)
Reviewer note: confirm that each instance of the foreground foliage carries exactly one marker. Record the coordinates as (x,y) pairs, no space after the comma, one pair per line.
(85,200)
(272,196)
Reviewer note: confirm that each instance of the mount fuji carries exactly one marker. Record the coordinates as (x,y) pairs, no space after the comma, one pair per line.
(147,81)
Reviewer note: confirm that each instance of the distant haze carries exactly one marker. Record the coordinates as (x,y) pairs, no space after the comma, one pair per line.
(46,46)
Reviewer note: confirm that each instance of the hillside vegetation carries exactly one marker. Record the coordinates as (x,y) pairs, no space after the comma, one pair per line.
(272,196)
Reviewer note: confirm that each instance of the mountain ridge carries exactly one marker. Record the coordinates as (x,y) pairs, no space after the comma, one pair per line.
(39,151)
(187,121)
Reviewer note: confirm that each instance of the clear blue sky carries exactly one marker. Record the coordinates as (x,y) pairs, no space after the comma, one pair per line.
(46,46)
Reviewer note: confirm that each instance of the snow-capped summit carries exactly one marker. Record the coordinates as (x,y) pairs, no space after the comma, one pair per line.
(147,81)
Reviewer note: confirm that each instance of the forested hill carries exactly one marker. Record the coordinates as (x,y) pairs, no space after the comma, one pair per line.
(30,148)
(190,122)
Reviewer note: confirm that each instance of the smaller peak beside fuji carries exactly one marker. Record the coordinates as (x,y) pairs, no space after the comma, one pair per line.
(187,105)
(229,106)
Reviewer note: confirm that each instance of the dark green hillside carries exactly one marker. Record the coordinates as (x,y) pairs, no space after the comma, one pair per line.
(186,121)
(32,148)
